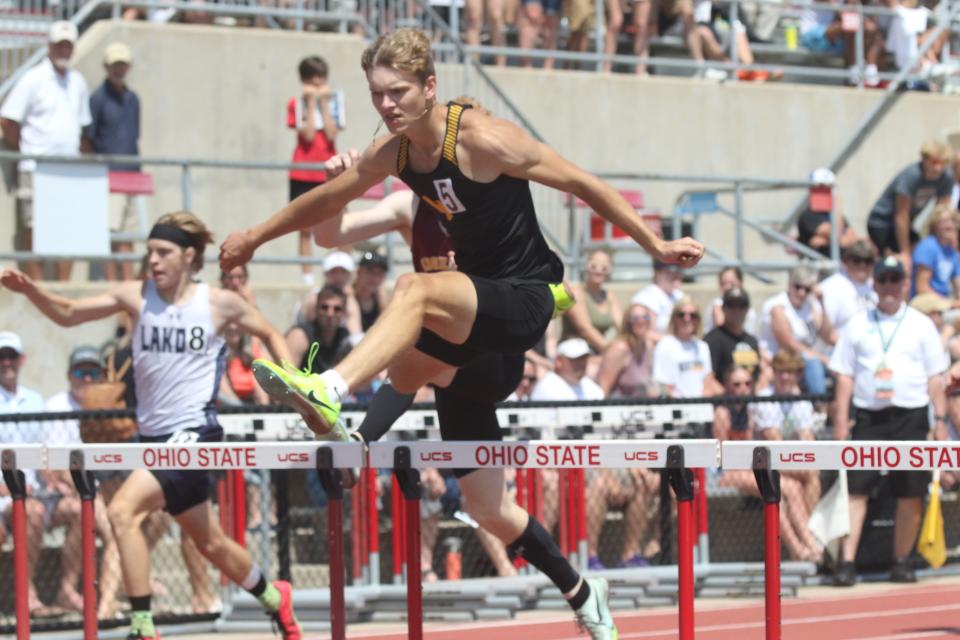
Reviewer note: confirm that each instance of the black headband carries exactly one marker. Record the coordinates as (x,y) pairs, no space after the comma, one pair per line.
(172,233)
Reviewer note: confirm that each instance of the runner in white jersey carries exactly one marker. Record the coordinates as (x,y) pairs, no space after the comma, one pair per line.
(178,356)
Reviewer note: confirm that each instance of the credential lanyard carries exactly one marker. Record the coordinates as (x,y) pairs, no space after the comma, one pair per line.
(885,344)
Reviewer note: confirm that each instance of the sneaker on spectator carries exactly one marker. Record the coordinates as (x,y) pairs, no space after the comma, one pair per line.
(902,571)
(871,76)
(594,564)
(634,562)
(717,75)
(845,575)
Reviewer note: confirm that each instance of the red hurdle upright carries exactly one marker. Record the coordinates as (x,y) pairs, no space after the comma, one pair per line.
(681,480)
(87,490)
(330,479)
(409,481)
(768,481)
(16,483)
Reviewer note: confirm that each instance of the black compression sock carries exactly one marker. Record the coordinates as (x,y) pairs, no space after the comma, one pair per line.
(538,548)
(140,603)
(580,596)
(258,588)
(385,407)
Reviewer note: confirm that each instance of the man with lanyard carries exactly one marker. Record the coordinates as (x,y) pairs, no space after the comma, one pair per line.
(474,171)
(874,344)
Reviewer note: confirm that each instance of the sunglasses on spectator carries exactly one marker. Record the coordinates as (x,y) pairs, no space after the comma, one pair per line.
(940,162)
(642,316)
(330,307)
(736,305)
(803,287)
(862,261)
(740,385)
(9,354)
(688,315)
(86,372)
(598,268)
(889,280)
(530,378)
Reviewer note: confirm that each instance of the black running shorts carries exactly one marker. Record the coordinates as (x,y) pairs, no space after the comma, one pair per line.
(185,488)
(891,424)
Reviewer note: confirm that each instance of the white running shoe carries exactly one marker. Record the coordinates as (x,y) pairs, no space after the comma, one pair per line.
(594,616)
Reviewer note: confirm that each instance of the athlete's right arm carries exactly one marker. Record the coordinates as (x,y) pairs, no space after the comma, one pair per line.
(318,204)
(392,213)
(68,312)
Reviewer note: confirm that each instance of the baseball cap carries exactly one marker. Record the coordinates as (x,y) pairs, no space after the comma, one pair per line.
(117,52)
(10,340)
(887,266)
(665,266)
(63,31)
(339,259)
(374,259)
(85,355)
(734,295)
(573,348)
(823,176)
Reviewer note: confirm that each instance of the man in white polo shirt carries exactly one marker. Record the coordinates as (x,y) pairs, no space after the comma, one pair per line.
(44,114)
(568,380)
(875,344)
(850,290)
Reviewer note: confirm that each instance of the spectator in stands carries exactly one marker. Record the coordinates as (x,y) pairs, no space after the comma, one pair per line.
(581,18)
(875,344)
(787,420)
(568,380)
(661,295)
(314,345)
(731,420)
(729,278)
(676,18)
(850,290)
(821,31)
(61,498)
(935,307)
(636,491)
(44,114)
(432,489)
(715,48)
(626,369)
(237,279)
(238,386)
(681,360)
(643,29)
(540,19)
(814,225)
(368,296)
(794,319)
(527,383)
(598,315)
(16,398)
(955,169)
(115,130)
(317,116)
(338,268)
(730,344)
(890,223)
(475,10)
(936,260)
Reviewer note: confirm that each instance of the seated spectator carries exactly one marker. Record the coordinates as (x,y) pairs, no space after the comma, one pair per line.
(850,290)
(237,279)
(314,345)
(661,295)
(936,260)
(368,298)
(237,385)
(636,491)
(681,360)
(338,268)
(527,382)
(540,18)
(16,398)
(821,31)
(599,313)
(731,420)
(626,369)
(794,319)
(729,278)
(890,223)
(676,18)
(715,46)
(936,307)
(730,344)
(814,225)
(568,380)
(61,498)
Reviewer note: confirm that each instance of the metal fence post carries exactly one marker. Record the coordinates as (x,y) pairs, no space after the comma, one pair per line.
(598,30)
(734,18)
(738,210)
(186,190)
(859,47)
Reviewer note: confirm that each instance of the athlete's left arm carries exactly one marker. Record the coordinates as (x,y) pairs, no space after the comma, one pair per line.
(230,307)
(519,155)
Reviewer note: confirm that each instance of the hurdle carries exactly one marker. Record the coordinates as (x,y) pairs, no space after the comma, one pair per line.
(677,456)
(13,460)
(325,458)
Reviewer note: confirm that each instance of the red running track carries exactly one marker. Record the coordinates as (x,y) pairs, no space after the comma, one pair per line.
(924,611)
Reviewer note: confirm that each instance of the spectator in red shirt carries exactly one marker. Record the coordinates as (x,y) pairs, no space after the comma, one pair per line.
(317,115)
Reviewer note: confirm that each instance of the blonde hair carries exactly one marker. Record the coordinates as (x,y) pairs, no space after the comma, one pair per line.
(941,211)
(936,149)
(787,360)
(194,227)
(685,301)
(406,50)
(626,330)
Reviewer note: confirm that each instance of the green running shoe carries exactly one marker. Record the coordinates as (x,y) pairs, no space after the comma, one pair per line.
(304,392)
(563,299)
